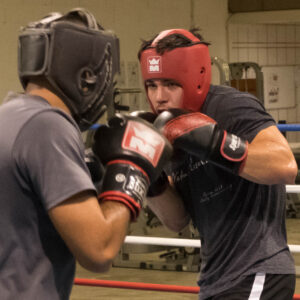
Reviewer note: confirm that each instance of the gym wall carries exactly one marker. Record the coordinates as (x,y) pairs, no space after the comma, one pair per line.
(271,39)
(131,20)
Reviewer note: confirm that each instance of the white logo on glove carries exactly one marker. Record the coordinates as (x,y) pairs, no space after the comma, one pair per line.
(143,140)
(235,142)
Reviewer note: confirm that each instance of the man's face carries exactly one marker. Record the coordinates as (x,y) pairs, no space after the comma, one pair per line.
(164,94)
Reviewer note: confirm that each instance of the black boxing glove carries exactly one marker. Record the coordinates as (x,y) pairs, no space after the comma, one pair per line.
(94,165)
(134,153)
(145,115)
(199,135)
(161,183)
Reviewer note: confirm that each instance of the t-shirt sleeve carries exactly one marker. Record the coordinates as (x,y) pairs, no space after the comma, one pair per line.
(49,155)
(245,117)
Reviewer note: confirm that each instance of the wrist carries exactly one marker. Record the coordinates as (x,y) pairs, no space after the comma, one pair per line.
(231,152)
(126,183)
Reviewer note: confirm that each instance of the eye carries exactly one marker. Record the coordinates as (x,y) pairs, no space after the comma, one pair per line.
(150,85)
(172,84)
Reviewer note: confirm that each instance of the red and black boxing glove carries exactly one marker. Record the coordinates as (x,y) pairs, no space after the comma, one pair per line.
(200,135)
(134,153)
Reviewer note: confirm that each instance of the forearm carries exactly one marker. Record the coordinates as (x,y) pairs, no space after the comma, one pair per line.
(270,169)
(271,161)
(107,237)
(117,218)
(170,210)
(94,234)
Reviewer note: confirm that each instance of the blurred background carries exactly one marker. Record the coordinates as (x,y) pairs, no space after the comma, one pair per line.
(264,33)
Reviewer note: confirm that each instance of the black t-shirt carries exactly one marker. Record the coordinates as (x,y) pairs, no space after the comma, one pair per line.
(241,223)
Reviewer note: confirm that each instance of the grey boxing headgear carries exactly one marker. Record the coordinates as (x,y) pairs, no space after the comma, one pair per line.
(78,61)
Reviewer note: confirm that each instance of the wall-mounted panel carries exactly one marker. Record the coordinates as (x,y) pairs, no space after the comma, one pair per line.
(279,87)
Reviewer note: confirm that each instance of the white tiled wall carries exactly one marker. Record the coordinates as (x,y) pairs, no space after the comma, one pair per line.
(269,45)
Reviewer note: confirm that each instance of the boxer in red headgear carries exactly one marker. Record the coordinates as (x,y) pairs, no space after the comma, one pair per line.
(230,177)
(189,66)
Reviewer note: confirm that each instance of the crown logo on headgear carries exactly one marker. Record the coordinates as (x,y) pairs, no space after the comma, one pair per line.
(154,64)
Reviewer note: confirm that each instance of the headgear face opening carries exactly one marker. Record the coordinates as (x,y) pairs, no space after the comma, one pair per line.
(189,65)
(79,62)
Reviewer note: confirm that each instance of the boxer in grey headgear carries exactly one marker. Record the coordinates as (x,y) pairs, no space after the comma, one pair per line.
(51,215)
(77,61)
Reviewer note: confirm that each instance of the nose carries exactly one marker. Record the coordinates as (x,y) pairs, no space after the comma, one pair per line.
(161,95)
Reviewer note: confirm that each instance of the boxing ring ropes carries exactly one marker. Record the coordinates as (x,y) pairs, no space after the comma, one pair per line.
(175,242)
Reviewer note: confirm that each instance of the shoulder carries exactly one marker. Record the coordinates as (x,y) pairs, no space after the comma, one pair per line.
(30,111)
(51,122)
(48,129)
(228,96)
(227,102)
(238,112)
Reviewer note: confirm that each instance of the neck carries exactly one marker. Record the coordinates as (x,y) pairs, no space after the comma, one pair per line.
(51,98)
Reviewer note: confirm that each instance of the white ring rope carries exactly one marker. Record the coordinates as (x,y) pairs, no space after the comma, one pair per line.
(292,188)
(159,241)
(173,242)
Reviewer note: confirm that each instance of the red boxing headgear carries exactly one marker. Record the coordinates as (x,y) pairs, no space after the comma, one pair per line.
(189,65)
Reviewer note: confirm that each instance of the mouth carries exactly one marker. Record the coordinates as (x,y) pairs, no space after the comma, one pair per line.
(161,109)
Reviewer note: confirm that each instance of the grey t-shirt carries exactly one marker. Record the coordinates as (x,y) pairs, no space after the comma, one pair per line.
(241,223)
(41,165)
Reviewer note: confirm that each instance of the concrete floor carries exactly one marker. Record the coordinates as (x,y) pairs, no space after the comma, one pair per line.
(157,276)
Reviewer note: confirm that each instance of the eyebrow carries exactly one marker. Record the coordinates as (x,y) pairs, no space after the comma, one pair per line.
(149,81)
(164,81)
